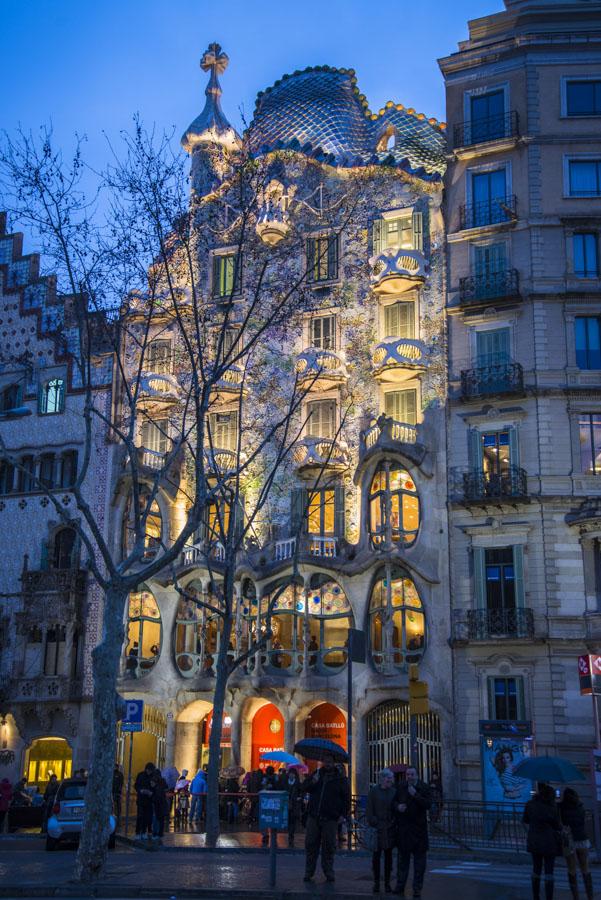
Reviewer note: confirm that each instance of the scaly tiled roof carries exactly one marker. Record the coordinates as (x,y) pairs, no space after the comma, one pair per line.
(320,112)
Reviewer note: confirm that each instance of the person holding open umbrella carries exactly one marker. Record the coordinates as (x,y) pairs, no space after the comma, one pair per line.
(329,801)
(544,837)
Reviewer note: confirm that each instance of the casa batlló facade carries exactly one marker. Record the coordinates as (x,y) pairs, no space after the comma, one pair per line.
(437,530)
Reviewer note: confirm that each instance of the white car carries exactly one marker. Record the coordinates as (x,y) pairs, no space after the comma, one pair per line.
(66,815)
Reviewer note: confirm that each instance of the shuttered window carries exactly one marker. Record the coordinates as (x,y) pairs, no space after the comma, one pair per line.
(401,406)
(155,435)
(321,420)
(158,357)
(323,332)
(399,320)
(322,258)
(404,232)
(224,430)
(317,512)
(227,274)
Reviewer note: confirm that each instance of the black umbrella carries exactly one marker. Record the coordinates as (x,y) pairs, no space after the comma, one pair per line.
(318,748)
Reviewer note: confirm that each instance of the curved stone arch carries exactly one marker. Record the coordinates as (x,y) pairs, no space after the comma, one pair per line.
(391,654)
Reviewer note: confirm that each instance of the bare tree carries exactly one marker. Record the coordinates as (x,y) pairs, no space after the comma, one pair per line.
(137,240)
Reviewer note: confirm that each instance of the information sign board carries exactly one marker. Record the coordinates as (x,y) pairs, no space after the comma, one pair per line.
(273,810)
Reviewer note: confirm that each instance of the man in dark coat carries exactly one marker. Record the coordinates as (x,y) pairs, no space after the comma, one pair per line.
(144,788)
(329,801)
(412,805)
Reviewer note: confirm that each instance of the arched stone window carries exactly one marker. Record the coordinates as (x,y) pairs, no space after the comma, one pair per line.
(397,625)
(311,630)
(197,633)
(63,556)
(52,396)
(144,633)
(394,511)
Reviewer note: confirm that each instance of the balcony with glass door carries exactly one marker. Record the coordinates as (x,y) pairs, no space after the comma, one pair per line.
(398,263)
(398,356)
(321,447)
(491,203)
(494,373)
(489,122)
(496,476)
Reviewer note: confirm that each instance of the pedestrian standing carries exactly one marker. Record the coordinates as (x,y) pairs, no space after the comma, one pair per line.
(329,801)
(117,791)
(544,828)
(6,795)
(292,784)
(144,789)
(198,789)
(182,799)
(572,816)
(412,803)
(49,795)
(159,806)
(436,795)
(170,774)
(380,815)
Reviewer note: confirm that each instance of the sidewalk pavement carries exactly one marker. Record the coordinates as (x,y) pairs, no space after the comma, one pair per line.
(26,870)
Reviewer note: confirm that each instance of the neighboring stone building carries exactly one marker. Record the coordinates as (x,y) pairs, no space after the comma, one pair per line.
(523,219)
(49,607)
(373,548)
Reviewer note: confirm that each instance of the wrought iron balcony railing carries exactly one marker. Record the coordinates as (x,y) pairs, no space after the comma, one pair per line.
(495,211)
(493,128)
(505,484)
(491,286)
(484,624)
(484,381)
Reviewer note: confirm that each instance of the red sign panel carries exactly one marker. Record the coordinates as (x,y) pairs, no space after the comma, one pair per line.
(267,734)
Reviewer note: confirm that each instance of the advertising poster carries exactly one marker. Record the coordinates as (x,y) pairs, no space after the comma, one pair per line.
(503,746)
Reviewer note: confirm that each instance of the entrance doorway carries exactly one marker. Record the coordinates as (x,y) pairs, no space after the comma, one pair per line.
(388,739)
(326,721)
(267,734)
(226,740)
(45,757)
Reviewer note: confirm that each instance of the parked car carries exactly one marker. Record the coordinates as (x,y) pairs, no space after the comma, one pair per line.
(66,816)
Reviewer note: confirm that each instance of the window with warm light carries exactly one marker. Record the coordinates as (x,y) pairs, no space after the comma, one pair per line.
(402,230)
(394,512)
(144,633)
(397,624)
(197,632)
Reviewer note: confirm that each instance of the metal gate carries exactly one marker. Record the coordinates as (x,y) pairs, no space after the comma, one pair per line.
(389,743)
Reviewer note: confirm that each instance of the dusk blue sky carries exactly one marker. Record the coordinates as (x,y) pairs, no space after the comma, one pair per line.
(88,66)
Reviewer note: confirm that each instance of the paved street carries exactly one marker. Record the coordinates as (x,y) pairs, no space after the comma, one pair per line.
(26,869)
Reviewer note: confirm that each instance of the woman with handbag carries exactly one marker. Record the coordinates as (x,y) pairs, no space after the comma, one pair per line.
(577,846)
(544,837)
(380,818)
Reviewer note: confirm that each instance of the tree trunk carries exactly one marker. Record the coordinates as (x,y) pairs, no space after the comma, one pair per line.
(93,845)
(221,679)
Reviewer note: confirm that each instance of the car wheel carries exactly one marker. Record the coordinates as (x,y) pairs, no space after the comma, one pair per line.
(112,842)
(51,843)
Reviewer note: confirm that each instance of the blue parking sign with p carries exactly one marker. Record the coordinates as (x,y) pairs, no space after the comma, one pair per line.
(134,714)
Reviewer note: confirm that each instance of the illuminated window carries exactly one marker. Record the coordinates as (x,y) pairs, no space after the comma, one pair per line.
(312,631)
(321,419)
(218,521)
(159,358)
(399,319)
(155,435)
(321,512)
(197,633)
(227,274)
(397,624)
(402,231)
(394,512)
(52,397)
(144,633)
(223,430)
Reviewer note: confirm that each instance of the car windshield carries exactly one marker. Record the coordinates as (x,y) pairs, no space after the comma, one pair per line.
(72,791)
